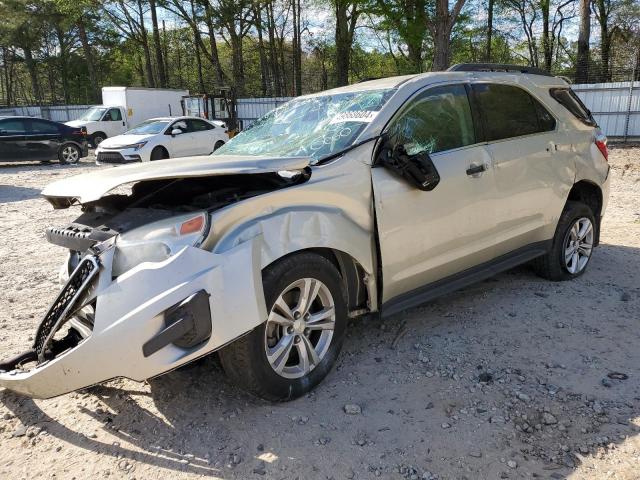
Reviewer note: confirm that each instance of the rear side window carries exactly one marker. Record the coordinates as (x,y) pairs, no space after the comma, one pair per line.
(198,125)
(569,100)
(509,111)
(438,119)
(12,127)
(42,127)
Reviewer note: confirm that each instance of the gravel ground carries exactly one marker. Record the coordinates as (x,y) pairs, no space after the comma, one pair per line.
(507,379)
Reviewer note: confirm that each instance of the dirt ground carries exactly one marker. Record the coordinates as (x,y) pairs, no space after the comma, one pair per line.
(507,379)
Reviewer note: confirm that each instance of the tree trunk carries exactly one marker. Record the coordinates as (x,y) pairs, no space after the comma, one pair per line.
(88,56)
(157,45)
(547,43)
(221,78)
(64,74)
(273,57)
(144,40)
(346,20)
(297,49)
(237,62)
(441,31)
(33,74)
(582,59)
(489,30)
(265,83)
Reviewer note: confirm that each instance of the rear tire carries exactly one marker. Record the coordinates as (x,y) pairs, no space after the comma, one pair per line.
(218,144)
(69,154)
(159,153)
(572,245)
(274,361)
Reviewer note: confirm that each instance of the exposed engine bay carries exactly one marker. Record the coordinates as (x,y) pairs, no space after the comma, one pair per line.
(154,200)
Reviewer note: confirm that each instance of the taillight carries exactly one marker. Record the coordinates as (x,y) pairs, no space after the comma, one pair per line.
(601,143)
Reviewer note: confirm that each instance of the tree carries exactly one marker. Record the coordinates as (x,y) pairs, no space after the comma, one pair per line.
(347,13)
(582,58)
(440,27)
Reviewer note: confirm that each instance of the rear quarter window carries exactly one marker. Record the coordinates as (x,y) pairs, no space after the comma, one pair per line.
(570,101)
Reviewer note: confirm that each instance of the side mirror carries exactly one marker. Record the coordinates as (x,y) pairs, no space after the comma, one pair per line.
(417,169)
(176,131)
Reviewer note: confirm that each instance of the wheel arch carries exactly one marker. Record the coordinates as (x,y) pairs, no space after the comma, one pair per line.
(327,232)
(590,194)
(162,148)
(353,276)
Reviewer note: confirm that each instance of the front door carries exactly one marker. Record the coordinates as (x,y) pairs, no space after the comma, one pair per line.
(428,236)
(13,141)
(113,123)
(181,144)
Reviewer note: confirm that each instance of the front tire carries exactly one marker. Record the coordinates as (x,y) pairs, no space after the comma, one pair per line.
(159,153)
(289,354)
(572,245)
(69,154)
(97,138)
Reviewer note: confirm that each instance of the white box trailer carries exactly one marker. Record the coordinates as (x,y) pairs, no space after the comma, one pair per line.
(125,107)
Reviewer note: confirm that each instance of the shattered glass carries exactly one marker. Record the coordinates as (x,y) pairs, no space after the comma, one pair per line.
(313,127)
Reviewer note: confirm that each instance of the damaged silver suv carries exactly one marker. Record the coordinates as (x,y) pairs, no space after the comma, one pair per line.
(369,198)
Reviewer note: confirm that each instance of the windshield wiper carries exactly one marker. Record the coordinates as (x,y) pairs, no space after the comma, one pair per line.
(345,150)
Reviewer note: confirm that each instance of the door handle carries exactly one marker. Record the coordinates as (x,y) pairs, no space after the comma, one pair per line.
(476,169)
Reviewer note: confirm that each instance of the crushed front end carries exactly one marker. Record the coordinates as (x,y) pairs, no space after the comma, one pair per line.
(141,295)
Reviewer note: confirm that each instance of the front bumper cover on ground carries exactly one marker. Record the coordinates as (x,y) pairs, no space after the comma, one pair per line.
(130,312)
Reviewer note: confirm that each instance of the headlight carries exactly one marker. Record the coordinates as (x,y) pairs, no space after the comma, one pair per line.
(159,240)
(135,146)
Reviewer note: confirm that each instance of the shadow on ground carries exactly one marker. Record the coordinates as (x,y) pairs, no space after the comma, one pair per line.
(11,194)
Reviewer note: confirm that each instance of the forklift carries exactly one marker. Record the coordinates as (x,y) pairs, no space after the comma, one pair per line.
(219,107)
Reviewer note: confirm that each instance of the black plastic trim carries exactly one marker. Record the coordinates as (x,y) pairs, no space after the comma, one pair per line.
(465,278)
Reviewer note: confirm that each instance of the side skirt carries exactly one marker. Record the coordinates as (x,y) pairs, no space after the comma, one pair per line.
(465,278)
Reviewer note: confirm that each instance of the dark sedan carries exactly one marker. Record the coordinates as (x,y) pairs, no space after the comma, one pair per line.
(34,139)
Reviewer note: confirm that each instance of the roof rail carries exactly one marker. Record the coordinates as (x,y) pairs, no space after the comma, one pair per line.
(497,67)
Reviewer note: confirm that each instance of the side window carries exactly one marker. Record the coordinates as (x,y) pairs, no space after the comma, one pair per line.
(41,127)
(113,115)
(198,125)
(12,127)
(438,119)
(509,111)
(569,100)
(180,125)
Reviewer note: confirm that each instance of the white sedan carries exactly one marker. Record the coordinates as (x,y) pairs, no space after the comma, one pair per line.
(160,138)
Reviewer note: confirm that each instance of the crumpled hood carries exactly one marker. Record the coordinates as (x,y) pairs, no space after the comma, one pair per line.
(92,186)
(125,140)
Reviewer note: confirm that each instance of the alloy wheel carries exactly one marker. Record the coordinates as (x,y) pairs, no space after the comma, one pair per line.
(70,154)
(300,328)
(578,245)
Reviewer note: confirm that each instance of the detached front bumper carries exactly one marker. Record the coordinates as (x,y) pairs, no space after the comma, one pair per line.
(129,336)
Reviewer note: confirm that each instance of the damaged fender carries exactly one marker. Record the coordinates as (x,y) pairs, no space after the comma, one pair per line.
(130,311)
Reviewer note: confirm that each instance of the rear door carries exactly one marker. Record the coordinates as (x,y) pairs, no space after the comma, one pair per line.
(43,139)
(13,145)
(427,236)
(533,170)
(201,132)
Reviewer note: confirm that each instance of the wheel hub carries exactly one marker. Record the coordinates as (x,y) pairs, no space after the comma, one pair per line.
(300,328)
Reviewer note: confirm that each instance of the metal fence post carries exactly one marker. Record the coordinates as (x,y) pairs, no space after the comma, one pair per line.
(629,101)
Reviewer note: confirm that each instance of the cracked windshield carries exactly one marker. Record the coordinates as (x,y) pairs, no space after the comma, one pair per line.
(313,127)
